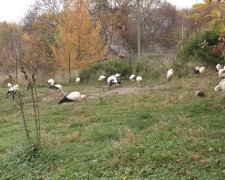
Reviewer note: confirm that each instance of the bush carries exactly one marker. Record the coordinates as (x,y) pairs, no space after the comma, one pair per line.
(194,49)
(146,68)
(107,68)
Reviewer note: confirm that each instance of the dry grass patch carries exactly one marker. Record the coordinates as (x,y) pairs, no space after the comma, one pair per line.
(177,98)
(195,132)
(75,137)
(162,125)
(50,98)
(185,121)
(184,84)
(188,129)
(50,139)
(126,137)
(190,133)
(185,96)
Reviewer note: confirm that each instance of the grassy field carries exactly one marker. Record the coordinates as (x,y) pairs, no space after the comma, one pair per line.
(162,131)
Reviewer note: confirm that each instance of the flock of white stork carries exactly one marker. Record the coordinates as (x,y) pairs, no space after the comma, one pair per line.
(115,80)
(221,73)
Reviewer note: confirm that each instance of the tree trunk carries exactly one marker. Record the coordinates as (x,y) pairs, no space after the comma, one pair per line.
(138,30)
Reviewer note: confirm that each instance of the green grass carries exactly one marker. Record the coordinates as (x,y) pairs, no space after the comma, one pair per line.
(165,133)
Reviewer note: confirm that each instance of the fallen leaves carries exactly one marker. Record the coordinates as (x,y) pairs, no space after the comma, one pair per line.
(195,156)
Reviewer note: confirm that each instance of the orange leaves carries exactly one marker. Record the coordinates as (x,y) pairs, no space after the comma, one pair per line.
(79,37)
(208,14)
(220,46)
(26,37)
(195,156)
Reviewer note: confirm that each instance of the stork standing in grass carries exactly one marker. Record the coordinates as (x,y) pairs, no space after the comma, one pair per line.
(221,73)
(112,81)
(56,87)
(12,90)
(137,78)
(220,86)
(74,97)
(199,70)
(77,80)
(218,67)
(169,74)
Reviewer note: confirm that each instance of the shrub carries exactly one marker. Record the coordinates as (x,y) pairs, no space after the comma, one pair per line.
(194,48)
(107,68)
(149,68)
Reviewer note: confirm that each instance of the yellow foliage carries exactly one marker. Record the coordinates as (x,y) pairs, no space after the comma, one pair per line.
(26,37)
(208,14)
(79,38)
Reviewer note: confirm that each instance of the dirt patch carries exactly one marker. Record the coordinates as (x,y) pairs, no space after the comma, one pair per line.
(105,91)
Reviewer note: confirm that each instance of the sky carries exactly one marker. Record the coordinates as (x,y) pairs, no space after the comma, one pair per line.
(184,3)
(15,10)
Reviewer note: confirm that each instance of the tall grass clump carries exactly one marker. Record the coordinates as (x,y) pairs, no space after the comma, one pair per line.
(199,47)
(152,67)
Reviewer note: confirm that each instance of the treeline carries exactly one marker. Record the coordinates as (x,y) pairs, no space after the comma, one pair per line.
(55,33)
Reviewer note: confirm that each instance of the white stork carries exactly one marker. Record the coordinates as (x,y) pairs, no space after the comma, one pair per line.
(74,97)
(220,86)
(137,78)
(12,90)
(56,87)
(77,80)
(199,70)
(218,67)
(221,73)
(112,81)
(169,74)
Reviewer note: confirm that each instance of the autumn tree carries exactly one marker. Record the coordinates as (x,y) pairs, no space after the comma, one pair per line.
(207,14)
(10,46)
(79,37)
(210,15)
(39,25)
